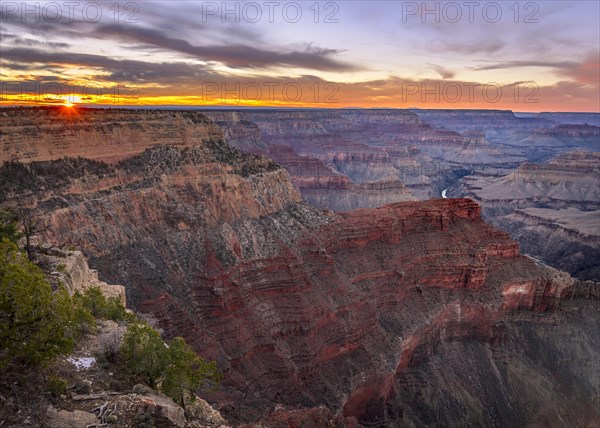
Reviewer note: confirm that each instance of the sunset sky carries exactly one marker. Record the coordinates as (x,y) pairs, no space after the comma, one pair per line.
(535,56)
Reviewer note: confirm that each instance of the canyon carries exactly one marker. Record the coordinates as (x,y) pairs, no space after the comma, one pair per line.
(413,313)
(552,209)
(348,159)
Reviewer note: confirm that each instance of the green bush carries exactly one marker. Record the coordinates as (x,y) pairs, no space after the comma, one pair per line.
(9,226)
(175,369)
(34,321)
(36,324)
(82,321)
(57,386)
(101,307)
(186,372)
(143,352)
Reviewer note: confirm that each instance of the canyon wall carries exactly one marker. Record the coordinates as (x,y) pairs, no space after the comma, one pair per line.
(352,158)
(566,118)
(552,209)
(522,136)
(411,314)
(47,133)
(497,124)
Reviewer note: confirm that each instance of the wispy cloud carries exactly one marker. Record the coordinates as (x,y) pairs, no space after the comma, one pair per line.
(443,71)
(370,56)
(520,64)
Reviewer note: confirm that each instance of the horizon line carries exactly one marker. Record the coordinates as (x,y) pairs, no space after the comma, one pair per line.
(225,107)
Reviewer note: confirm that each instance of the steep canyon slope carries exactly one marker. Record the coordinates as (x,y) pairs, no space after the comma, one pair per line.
(552,209)
(411,314)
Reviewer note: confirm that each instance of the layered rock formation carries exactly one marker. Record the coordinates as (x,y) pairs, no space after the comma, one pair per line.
(541,145)
(47,133)
(552,209)
(566,118)
(346,159)
(519,137)
(497,124)
(414,313)
(303,144)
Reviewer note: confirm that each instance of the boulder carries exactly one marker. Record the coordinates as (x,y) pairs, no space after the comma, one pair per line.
(66,419)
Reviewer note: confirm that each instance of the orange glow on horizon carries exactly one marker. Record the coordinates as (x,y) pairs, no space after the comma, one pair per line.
(345,101)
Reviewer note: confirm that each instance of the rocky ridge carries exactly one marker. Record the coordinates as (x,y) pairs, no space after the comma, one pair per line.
(49,133)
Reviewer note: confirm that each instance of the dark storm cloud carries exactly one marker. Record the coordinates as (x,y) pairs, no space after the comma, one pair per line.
(233,46)
(120,70)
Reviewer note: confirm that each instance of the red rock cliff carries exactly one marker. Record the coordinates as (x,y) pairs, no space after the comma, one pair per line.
(299,307)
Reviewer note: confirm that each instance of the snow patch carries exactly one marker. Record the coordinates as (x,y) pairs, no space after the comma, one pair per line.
(518,289)
(82,362)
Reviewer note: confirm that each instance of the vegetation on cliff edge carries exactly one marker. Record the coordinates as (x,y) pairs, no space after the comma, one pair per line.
(38,324)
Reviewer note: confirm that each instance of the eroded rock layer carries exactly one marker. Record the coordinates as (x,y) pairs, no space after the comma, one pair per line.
(346,159)
(552,209)
(48,133)
(415,313)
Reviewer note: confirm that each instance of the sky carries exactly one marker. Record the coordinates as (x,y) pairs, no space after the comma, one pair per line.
(524,56)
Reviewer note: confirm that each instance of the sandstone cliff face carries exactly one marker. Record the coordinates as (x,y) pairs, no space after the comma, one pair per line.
(73,271)
(357,312)
(39,134)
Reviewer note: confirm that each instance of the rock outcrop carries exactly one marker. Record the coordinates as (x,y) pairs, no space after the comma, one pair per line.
(66,419)
(70,267)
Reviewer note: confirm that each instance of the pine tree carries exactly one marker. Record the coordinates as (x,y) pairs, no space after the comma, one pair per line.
(186,372)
